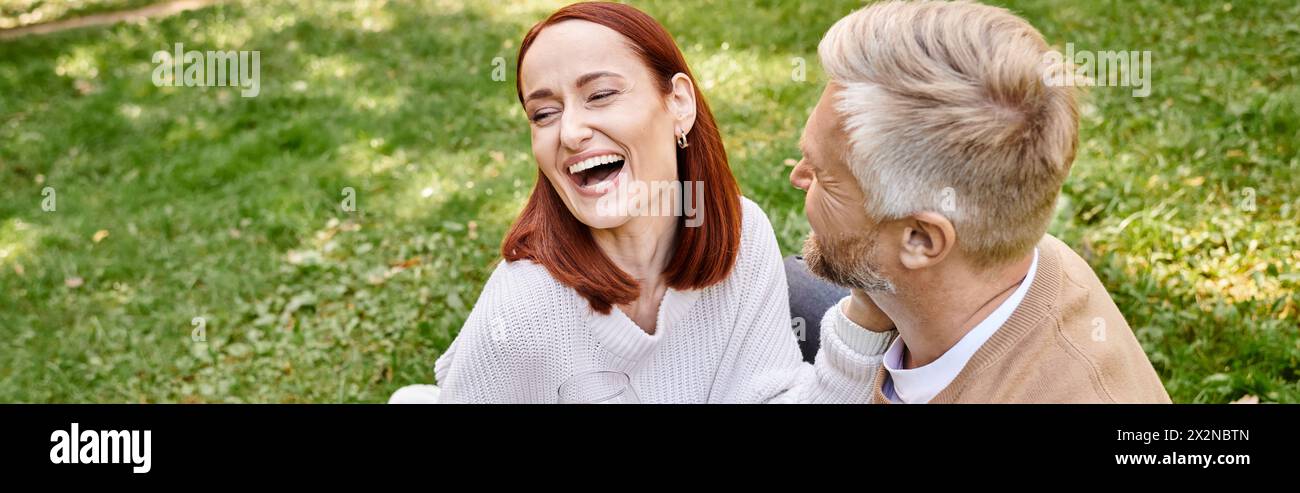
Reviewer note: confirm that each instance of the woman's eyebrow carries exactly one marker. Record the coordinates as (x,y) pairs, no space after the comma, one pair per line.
(587,78)
(582,81)
(540,93)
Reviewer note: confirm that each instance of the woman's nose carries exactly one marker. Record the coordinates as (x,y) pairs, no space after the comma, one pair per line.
(574,130)
(801,176)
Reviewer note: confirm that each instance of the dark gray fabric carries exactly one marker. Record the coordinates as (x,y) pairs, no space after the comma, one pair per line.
(810,297)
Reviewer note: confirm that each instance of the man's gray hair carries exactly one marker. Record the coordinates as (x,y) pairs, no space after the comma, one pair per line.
(947,111)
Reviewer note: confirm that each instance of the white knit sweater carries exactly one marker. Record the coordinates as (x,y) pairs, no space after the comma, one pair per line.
(730,343)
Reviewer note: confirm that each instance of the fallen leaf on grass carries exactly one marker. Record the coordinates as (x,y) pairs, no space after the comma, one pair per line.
(1247,399)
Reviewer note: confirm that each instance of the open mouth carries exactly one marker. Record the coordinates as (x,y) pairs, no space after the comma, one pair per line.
(597,173)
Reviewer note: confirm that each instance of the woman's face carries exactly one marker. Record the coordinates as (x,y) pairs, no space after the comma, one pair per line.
(599,121)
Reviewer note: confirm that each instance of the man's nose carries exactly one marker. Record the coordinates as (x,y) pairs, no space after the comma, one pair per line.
(801,176)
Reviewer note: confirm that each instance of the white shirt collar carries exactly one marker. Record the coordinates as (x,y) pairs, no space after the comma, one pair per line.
(919,385)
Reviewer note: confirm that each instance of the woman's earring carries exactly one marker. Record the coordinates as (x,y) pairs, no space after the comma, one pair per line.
(681,139)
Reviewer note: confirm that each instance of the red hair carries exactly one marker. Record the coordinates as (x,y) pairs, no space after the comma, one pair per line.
(548,234)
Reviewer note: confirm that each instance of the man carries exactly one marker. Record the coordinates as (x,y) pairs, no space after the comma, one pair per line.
(932,164)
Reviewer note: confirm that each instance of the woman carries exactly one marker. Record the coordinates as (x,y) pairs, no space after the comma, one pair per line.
(692,307)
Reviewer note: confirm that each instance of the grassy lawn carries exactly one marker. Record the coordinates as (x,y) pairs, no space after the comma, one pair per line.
(177,203)
(18,13)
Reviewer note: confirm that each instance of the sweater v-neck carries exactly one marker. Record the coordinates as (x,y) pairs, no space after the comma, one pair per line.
(1040,301)
(622,337)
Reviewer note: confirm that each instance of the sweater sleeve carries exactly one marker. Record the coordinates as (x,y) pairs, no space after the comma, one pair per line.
(762,363)
(847,362)
(457,372)
(500,341)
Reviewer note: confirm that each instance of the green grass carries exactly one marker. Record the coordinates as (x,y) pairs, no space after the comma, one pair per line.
(228,208)
(18,13)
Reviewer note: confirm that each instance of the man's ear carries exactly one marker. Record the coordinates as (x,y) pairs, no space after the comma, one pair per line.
(681,102)
(927,237)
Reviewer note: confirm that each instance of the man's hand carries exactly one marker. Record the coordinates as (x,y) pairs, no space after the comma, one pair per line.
(864,312)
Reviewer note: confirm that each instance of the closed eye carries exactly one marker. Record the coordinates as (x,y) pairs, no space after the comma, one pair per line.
(541,115)
(602,95)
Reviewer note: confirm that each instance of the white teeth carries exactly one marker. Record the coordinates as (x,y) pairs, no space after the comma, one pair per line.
(593,162)
(601,187)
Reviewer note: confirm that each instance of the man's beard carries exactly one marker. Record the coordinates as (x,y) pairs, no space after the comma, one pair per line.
(846,260)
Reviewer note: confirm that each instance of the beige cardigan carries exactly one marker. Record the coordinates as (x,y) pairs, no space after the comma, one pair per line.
(1067,342)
